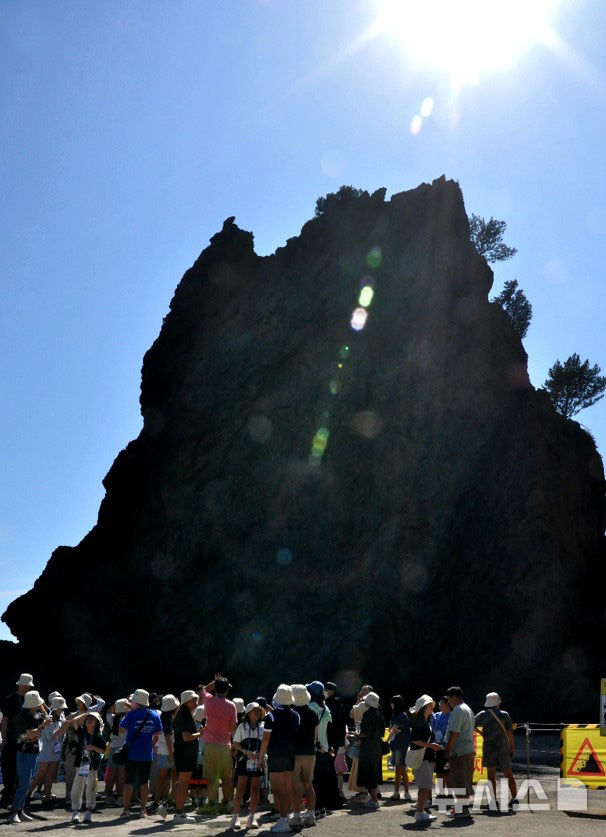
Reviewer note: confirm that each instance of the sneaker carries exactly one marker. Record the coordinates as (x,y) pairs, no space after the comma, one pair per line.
(407,797)
(152,808)
(309,818)
(162,810)
(395,795)
(281,827)
(37,795)
(183,817)
(373,804)
(25,816)
(296,818)
(423,816)
(87,817)
(251,822)
(234,823)
(76,817)
(14,817)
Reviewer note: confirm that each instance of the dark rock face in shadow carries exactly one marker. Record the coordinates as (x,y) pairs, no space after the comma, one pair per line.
(394,504)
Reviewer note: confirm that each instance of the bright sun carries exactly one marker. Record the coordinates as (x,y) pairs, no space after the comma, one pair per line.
(466,39)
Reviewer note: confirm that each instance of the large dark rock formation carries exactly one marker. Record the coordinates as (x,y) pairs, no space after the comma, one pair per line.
(306,500)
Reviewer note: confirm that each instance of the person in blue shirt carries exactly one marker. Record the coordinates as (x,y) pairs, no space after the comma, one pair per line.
(143,726)
(439,724)
(399,741)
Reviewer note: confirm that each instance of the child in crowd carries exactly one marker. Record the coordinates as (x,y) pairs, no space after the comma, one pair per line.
(51,741)
(115,776)
(247,744)
(91,747)
(399,740)
(165,754)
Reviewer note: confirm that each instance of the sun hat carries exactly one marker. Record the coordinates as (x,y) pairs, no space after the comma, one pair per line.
(188,694)
(492,700)
(25,680)
(253,705)
(58,703)
(141,697)
(300,694)
(32,700)
(85,699)
(239,704)
(315,687)
(421,703)
(283,695)
(169,702)
(122,705)
(330,686)
(96,716)
(372,699)
(53,695)
(199,714)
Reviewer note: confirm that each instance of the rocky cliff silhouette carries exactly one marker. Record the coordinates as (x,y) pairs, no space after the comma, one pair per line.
(390,502)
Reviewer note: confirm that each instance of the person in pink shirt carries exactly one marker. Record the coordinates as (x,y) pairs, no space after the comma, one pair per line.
(221,721)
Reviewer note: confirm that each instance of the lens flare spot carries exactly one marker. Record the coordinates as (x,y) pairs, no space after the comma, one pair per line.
(416,123)
(427,107)
(344,352)
(358,319)
(366,295)
(367,423)
(284,556)
(374,258)
(334,387)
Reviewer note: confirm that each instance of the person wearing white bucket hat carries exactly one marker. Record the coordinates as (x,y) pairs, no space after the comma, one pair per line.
(247,744)
(280,728)
(165,753)
(497,731)
(421,756)
(11,706)
(117,737)
(143,726)
(51,739)
(372,730)
(186,738)
(305,757)
(29,723)
(71,745)
(91,747)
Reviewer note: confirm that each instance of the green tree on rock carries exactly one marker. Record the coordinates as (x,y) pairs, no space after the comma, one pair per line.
(344,195)
(487,238)
(573,386)
(514,302)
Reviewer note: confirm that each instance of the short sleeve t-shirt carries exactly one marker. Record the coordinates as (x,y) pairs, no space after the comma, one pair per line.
(282,722)
(324,718)
(495,740)
(184,722)
(167,729)
(462,720)
(439,723)
(420,730)
(305,736)
(27,719)
(248,737)
(401,739)
(11,706)
(221,715)
(142,748)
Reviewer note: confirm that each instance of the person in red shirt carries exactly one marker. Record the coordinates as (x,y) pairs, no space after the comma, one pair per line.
(221,721)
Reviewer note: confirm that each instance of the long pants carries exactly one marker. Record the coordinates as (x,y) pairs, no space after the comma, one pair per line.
(70,772)
(81,784)
(9,772)
(27,765)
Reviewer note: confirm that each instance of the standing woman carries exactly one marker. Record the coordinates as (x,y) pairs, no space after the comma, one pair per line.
(372,730)
(422,737)
(29,723)
(165,751)
(399,740)
(71,744)
(186,751)
(356,714)
(117,739)
(326,784)
(51,740)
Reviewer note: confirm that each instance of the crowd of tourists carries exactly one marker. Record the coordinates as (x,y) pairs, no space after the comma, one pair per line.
(299,747)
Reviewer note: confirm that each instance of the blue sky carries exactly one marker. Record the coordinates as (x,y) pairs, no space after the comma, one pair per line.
(131,129)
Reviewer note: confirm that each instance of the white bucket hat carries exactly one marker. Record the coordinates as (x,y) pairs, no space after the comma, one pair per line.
(169,702)
(122,705)
(58,703)
(32,700)
(52,696)
(492,700)
(283,695)
(239,704)
(25,680)
(300,694)
(188,694)
(253,705)
(85,699)
(141,697)
(422,703)
(199,714)
(97,718)
(372,699)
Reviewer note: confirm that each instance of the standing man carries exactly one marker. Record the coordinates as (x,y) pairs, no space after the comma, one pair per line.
(497,731)
(143,727)
(460,750)
(221,722)
(11,707)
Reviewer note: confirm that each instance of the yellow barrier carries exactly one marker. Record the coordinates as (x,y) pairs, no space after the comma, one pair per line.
(389,773)
(583,754)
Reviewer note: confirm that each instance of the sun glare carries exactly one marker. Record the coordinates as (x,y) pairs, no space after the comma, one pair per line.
(466,39)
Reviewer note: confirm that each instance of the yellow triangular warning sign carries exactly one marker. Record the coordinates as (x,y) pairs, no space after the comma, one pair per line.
(586,762)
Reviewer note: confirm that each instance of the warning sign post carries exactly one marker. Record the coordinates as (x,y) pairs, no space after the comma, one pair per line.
(603,707)
(584,755)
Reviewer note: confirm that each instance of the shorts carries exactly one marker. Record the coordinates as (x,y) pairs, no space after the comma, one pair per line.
(424,775)
(398,758)
(217,762)
(497,758)
(441,767)
(137,770)
(111,761)
(461,773)
(165,762)
(280,763)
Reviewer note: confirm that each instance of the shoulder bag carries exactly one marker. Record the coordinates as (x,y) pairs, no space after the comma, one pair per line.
(120,757)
